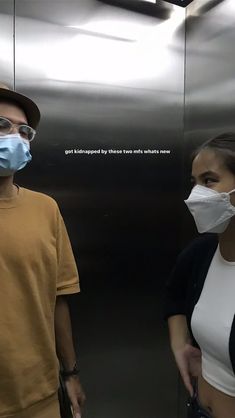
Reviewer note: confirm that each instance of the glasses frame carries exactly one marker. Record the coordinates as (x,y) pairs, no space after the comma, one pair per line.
(18,126)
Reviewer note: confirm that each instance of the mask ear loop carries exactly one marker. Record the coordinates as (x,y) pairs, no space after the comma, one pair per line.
(232,191)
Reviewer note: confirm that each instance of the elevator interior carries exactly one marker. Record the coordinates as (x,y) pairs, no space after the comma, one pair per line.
(120,82)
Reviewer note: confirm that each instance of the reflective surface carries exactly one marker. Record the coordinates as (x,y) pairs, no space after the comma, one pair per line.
(6,42)
(112,80)
(209,90)
(209,98)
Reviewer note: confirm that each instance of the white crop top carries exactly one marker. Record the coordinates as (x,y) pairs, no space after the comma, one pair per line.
(211,323)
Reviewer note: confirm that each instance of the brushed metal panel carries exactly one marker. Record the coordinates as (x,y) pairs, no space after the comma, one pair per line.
(209,89)
(7,42)
(209,98)
(111,80)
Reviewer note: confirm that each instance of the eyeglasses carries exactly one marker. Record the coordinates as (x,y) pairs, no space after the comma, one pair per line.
(25,131)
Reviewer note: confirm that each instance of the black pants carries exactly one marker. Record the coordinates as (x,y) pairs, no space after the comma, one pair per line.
(194,409)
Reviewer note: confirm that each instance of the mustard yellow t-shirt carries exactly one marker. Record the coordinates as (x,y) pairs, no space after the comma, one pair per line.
(36,265)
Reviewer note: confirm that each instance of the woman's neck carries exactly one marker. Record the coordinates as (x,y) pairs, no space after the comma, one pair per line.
(7,188)
(227,242)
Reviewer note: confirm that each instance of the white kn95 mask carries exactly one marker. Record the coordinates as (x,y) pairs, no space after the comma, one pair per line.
(211,210)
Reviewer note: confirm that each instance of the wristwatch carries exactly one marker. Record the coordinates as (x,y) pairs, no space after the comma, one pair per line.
(67,373)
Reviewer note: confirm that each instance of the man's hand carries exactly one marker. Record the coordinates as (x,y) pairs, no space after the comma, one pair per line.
(188,360)
(76,395)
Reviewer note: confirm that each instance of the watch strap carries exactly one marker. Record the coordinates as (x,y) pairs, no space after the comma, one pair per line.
(73,372)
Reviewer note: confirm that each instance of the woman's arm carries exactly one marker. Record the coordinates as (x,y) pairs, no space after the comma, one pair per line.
(187,357)
(178,331)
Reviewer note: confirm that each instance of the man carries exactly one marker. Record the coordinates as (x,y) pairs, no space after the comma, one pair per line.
(37,271)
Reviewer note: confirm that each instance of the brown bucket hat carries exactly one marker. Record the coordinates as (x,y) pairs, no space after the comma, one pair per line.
(29,107)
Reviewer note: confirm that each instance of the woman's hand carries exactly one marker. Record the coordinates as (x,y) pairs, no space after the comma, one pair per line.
(187,357)
(188,360)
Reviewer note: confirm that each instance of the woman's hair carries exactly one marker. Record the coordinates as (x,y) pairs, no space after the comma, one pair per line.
(224,146)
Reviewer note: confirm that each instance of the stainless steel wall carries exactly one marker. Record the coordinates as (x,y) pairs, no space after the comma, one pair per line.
(209,92)
(6,41)
(209,88)
(110,79)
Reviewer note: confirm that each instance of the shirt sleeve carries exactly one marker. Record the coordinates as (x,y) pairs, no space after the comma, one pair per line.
(186,269)
(67,273)
(174,295)
(177,283)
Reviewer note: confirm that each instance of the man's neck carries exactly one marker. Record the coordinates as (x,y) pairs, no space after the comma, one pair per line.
(7,188)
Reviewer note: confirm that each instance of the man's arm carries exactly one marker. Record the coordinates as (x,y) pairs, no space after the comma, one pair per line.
(63,332)
(66,353)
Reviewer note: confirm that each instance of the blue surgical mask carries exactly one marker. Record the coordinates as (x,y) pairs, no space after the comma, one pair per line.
(14,154)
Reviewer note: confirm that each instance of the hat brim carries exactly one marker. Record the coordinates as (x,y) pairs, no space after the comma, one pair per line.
(30,108)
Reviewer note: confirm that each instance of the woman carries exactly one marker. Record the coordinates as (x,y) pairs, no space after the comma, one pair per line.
(200,295)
